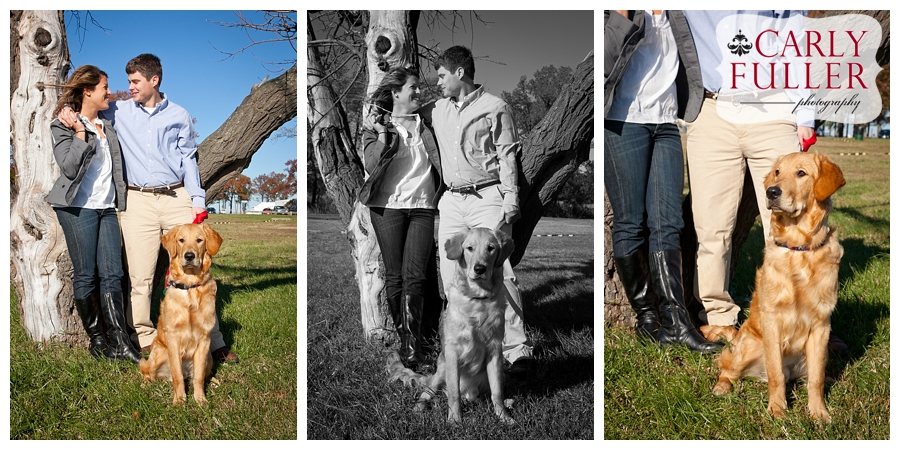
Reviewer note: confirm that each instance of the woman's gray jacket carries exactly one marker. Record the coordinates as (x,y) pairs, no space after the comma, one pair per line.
(74,156)
(622,36)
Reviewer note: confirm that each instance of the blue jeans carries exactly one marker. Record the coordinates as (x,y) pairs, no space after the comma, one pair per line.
(95,246)
(643,170)
(406,238)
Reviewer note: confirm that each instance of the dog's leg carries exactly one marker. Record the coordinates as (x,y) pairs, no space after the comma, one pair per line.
(177,373)
(201,357)
(816,354)
(451,371)
(150,367)
(774,370)
(495,380)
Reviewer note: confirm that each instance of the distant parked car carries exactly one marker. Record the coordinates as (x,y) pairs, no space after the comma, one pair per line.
(293,210)
(885,134)
(211,210)
(268,211)
(280,210)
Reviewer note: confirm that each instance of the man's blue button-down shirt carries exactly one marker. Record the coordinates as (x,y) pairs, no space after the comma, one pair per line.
(158,145)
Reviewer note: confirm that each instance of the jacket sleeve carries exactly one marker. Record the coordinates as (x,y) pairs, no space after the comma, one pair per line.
(70,152)
(617,30)
(372,149)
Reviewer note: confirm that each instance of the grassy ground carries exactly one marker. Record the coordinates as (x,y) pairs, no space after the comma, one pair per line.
(348,394)
(58,392)
(654,393)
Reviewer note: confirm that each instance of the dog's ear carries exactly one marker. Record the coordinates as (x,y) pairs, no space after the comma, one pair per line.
(507,245)
(831,178)
(168,242)
(453,246)
(213,240)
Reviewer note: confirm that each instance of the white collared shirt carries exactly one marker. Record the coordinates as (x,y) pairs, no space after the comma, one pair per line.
(408,181)
(96,190)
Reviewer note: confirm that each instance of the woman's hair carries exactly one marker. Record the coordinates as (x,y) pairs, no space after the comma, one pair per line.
(392,81)
(84,77)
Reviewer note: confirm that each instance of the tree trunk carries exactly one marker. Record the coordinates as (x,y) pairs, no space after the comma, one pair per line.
(41,270)
(342,172)
(227,151)
(559,143)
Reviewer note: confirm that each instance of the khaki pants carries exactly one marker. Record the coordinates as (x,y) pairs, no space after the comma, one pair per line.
(459,212)
(146,218)
(718,152)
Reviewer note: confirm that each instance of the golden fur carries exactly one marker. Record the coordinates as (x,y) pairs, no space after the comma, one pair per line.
(786,334)
(186,316)
(472,326)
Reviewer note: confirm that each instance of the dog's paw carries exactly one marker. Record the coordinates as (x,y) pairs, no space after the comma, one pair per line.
(201,400)
(504,416)
(820,414)
(179,400)
(454,418)
(722,387)
(776,410)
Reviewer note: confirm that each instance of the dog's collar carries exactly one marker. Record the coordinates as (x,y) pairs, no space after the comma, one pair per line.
(171,283)
(804,248)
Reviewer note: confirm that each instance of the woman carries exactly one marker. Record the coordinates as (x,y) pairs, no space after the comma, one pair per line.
(644,166)
(402,191)
(85,197)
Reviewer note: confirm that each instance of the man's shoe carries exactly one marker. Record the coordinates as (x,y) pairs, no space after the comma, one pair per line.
(225,355)
(520,368)
(146,350)
(836,345)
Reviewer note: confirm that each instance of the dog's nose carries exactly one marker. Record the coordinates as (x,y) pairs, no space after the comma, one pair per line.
(773,192)
(480,269)
(189,256)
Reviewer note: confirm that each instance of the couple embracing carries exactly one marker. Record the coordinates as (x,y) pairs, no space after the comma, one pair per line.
(456,156)
(140,152)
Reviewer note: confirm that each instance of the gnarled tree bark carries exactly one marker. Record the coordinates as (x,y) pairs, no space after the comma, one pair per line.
(41,270)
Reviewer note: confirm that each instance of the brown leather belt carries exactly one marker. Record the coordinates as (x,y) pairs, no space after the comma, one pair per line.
(162,190)
(708,94)
(472,188)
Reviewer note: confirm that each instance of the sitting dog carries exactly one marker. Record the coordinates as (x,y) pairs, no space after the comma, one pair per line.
(472,326)
(187,312)
(786,334)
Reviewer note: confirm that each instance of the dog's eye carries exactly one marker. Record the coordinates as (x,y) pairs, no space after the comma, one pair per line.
(777,172)
(181,240)
(470,248)
(491,248)
(801,173)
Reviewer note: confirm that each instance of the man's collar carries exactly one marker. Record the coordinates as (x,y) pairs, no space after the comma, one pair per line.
(479,90)
(163,101)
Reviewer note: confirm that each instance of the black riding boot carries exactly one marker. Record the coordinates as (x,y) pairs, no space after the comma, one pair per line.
(413,305)
(634,273)
(113,306)
(676,326)
(89,311)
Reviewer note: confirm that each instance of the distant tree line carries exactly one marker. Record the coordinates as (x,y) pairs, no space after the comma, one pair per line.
(268,187)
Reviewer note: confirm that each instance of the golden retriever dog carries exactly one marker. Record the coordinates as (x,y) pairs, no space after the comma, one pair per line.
(786,334)
(472,326)
(187,312)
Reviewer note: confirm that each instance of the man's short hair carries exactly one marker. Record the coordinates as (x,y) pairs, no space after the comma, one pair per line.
(148,65)
(456,57)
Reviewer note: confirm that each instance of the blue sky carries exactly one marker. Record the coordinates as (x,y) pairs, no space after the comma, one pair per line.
(195,74)
(523,41)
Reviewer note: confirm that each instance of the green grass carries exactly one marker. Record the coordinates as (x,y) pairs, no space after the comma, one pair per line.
(60,392)
(656,393)
(349,396)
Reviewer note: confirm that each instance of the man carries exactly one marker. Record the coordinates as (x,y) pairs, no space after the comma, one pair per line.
(157,140)
(718,152)
(477,139)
